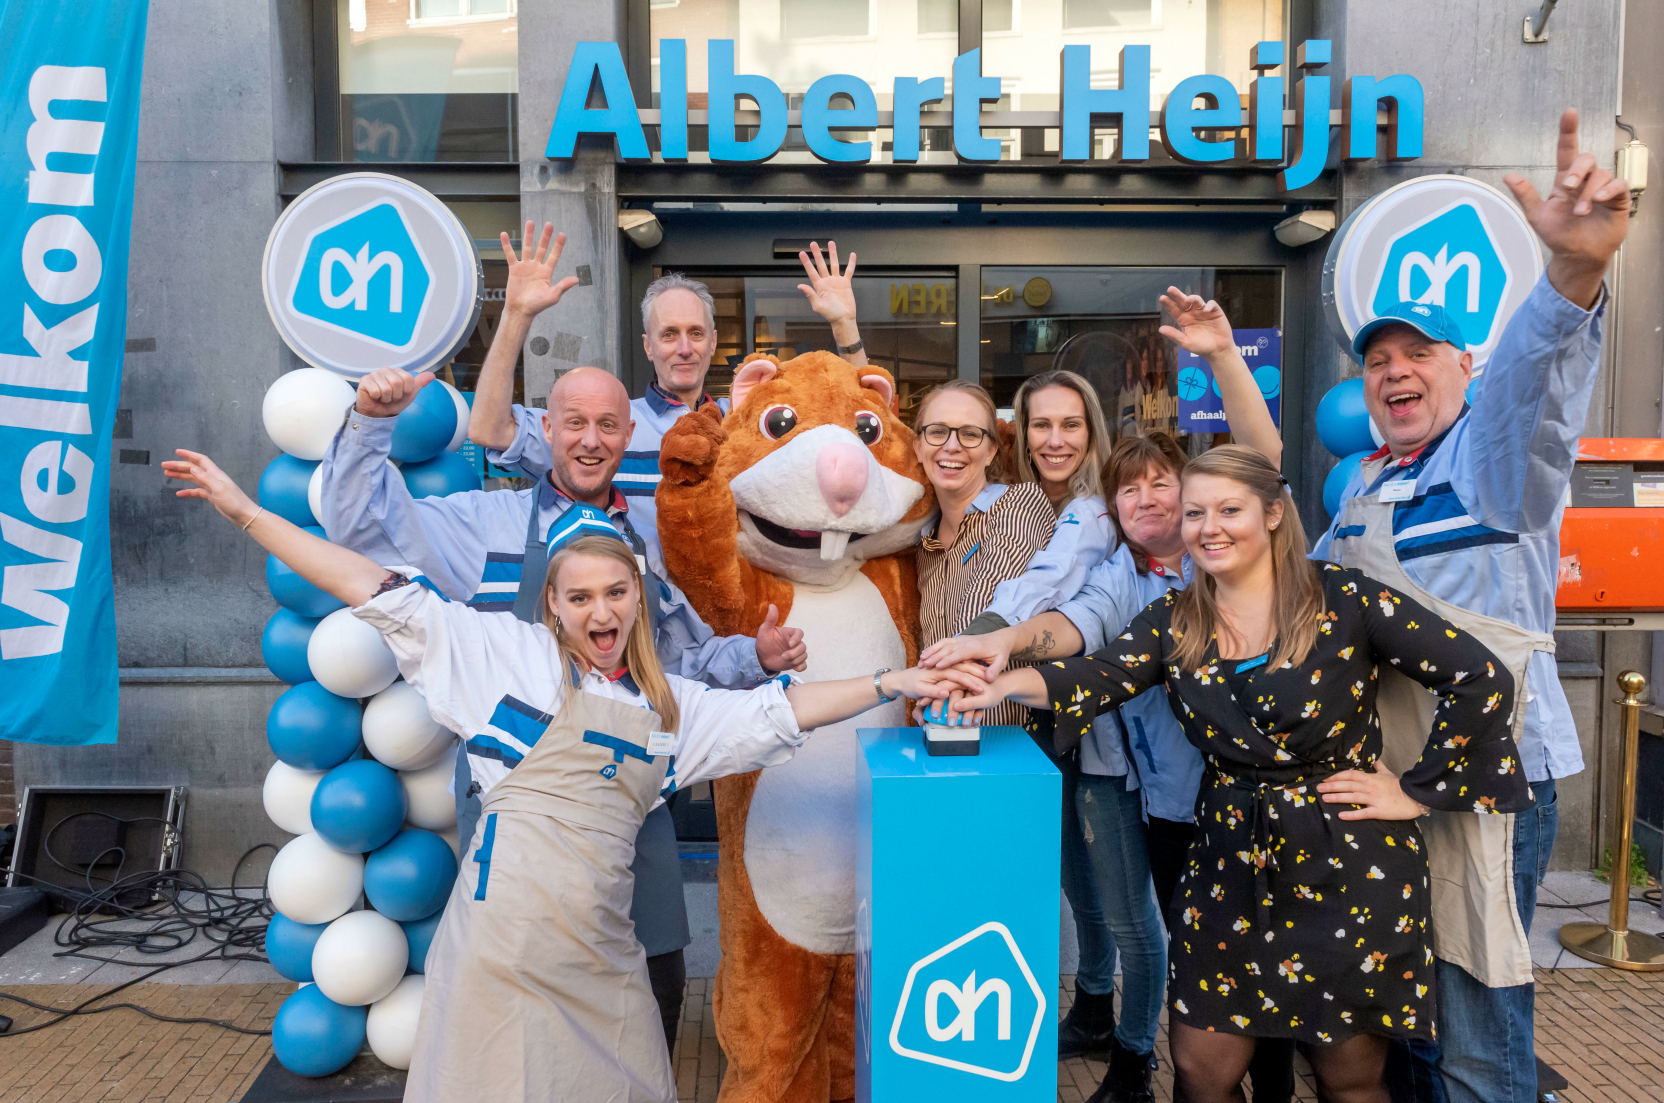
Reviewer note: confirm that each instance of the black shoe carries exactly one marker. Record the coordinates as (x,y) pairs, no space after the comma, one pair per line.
(1088,1030)
(1128,1078)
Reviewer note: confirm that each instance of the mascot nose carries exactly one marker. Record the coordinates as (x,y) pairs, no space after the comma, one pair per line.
(841,470)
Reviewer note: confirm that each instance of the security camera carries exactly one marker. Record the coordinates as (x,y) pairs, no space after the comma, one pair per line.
(641,227)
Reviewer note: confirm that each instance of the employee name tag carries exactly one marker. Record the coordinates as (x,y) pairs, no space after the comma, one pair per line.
(1399,490)
(661,743)
(641,565)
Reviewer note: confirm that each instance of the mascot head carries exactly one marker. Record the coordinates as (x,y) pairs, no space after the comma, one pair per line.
(821,469)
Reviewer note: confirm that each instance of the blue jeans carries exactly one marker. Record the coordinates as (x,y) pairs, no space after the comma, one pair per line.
(1486,1052)
(1106,876)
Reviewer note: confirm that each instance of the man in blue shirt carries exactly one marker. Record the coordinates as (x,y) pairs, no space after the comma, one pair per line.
(1463,504)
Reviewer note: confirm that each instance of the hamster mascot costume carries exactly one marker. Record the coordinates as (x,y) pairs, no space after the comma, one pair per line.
(807,496)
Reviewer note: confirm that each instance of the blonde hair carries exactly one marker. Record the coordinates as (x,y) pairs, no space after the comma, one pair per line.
(999,467)
(1297,600)
(640,657)
(1086,482)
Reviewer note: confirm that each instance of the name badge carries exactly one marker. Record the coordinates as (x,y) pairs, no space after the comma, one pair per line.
(1399,490)
(641,565)
(661,743)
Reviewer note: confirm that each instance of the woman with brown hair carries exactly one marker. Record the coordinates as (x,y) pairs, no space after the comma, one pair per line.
(1305,899)
(537,987)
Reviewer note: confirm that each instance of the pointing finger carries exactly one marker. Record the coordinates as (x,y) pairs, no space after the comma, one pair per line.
(1566,148)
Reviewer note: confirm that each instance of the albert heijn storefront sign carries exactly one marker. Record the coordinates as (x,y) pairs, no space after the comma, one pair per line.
(1197,106)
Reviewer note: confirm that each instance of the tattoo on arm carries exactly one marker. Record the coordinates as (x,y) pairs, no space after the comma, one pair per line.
(1038,647)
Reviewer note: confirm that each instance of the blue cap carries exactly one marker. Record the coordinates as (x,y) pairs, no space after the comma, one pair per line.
(1429,318)
(580,521)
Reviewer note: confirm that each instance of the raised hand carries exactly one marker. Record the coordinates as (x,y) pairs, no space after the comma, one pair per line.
(1199,327)
(1583,219)
(529,291)
(831,293)
(211,484)
(780,648)
(386,392)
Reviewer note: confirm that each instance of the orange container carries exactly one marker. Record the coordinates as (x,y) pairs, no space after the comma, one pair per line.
(1610,535)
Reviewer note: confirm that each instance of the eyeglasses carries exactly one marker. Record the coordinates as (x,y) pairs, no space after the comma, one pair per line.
(936,434)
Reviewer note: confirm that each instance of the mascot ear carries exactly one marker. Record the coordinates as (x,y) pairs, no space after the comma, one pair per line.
(884,385)
(752,374)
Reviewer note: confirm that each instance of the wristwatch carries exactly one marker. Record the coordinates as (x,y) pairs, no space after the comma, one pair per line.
(878,685)
(851,350)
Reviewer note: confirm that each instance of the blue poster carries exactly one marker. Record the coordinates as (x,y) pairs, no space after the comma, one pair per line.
(69,114)
(1201,410)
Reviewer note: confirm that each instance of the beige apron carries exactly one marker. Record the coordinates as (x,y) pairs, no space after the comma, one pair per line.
(1476,920)
(536,985)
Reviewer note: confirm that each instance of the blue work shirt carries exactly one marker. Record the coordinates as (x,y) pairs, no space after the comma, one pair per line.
(637,478)
(1164,766)
(1482,530)
(471,546)
(1056,573)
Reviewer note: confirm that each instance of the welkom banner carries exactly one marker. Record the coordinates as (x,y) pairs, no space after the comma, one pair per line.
(69,112)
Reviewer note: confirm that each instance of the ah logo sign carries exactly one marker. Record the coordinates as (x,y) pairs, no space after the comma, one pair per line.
(366,275)
(973,1005)
(1449,260)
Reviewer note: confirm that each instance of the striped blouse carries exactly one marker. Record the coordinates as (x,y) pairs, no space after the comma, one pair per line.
(999,534)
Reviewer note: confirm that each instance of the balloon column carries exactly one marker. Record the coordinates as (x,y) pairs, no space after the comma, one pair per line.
(363,770)
(1346,429)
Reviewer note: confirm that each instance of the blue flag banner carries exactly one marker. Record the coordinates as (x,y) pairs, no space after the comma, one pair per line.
(69,114)
(1202,410)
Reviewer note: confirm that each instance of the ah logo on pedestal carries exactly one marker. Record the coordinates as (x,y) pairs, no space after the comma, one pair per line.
(973,1005)
(366,275)
(1451,260)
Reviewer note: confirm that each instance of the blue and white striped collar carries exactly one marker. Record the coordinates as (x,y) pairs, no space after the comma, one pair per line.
(663,402)
(551,496)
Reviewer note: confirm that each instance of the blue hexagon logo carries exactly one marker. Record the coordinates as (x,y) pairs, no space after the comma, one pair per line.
(972,1005)
(1449,259)
(366,275)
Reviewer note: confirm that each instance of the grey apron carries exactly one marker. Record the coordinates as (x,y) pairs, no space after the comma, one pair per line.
(536,984)
(1476,920)
(659,910)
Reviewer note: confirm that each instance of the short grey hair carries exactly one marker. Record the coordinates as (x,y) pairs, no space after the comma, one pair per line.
(675,281)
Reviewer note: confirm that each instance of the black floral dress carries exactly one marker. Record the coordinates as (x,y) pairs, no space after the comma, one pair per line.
(1291,922)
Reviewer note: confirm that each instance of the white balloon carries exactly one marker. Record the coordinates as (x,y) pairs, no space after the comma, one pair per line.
(451,836)
(359,958)
(287,796)
(391,1029)
(400,732)
(349,658)
(429,802)
(303,410)
(312,882)
(461,434)
(315,493)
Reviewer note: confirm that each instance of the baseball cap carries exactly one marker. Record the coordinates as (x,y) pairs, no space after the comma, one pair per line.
(1429,318)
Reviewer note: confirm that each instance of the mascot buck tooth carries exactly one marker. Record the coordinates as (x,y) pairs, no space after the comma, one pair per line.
(807,497)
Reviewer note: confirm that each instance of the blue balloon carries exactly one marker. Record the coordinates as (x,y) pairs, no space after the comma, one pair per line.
(359,806)
(410,878)
(289,946)
(283,489)
(446,473)
(419,935)
(1343,419)
(312,729)
(1339,475)
(315,1036)
(294,592)
(283,645)
(426,427)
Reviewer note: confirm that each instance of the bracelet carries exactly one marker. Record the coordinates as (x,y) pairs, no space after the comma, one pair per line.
(256,517)
(851,350)
(878,685)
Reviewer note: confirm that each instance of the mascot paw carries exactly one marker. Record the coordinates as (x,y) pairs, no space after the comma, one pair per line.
(690,447)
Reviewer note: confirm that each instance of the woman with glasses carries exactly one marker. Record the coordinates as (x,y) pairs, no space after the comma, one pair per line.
(987,531)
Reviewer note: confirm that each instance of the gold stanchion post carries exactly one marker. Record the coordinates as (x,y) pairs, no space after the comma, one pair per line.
(1613,943)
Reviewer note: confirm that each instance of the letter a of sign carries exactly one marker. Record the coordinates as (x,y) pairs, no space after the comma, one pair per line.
(592,62)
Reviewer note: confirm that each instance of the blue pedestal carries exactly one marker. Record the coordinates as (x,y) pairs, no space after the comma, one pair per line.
(956,933)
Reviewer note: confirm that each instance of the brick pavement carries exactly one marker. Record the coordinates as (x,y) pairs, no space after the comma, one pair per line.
(1603,1029)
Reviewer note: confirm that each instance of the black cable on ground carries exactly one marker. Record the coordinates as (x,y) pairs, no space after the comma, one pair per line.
(179,905)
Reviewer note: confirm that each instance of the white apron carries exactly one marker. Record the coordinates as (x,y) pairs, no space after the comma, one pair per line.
(536,984)
(1476,920)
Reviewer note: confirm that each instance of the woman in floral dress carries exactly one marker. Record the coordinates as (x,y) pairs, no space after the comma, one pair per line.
(1304,909)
